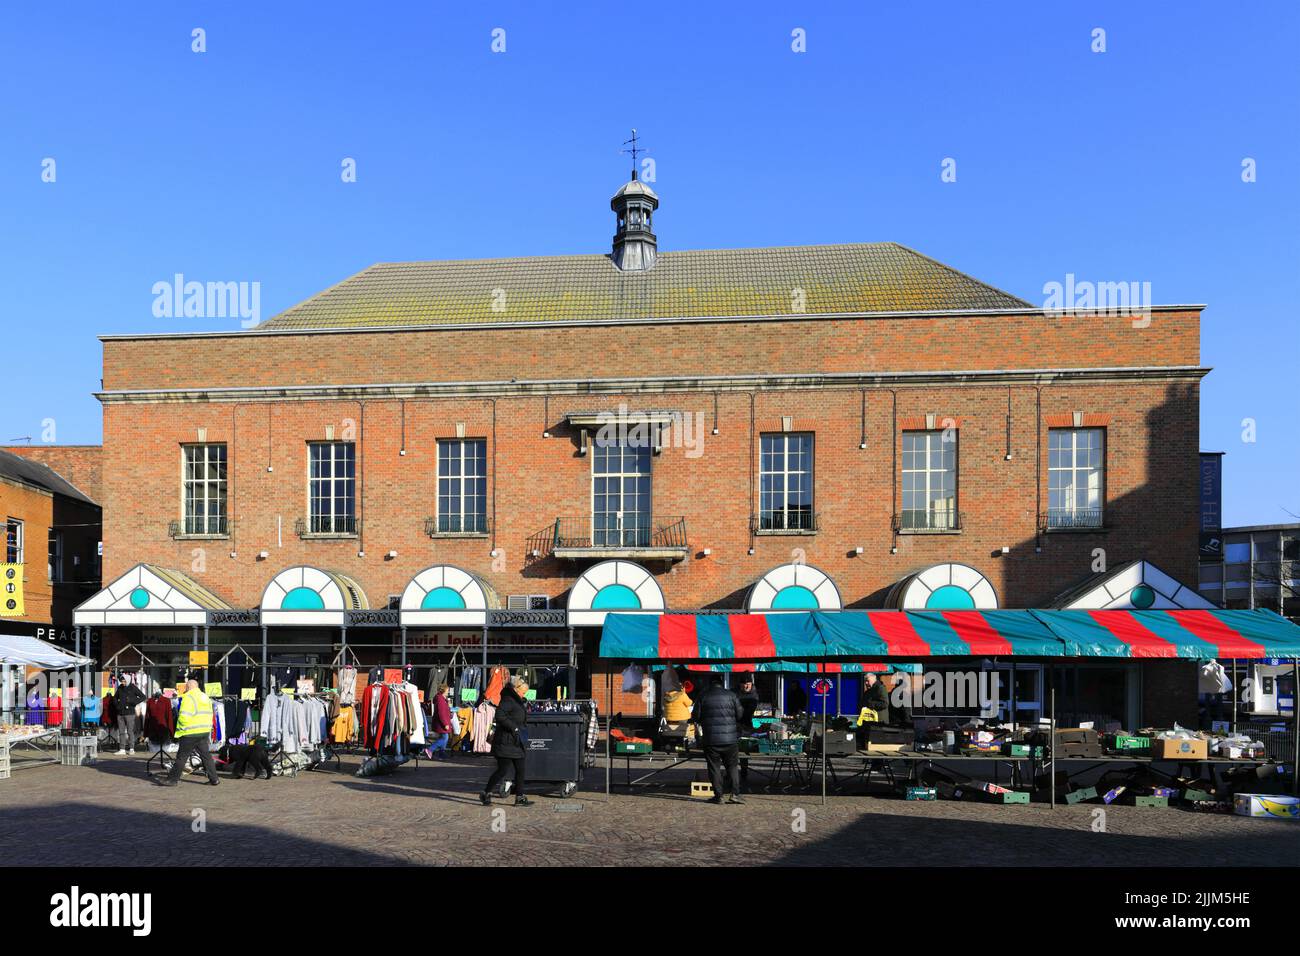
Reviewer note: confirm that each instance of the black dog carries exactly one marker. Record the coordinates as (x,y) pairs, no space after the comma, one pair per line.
(239,756)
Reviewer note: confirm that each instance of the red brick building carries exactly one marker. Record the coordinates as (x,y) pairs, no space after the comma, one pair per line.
(51,525)
(861,413)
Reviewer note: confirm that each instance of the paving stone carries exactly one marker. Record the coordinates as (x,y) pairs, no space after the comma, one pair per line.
(111,814)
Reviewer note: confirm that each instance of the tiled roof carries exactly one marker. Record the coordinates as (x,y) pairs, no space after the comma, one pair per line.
(840,279)
(34,473)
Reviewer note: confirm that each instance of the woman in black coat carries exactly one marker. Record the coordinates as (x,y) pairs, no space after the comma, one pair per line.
(508,741)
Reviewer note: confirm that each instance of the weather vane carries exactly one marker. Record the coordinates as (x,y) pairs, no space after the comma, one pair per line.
(634,150)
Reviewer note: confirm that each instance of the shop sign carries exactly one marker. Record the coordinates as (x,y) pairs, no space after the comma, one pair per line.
(822,686)
(467,639)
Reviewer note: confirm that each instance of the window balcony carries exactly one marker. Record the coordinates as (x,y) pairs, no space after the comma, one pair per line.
(458,526)
(638,537)
(783,522)
(200,526)
(325,526)
(1080,519)
(936,521)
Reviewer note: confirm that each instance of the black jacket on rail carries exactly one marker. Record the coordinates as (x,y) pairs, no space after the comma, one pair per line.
(721,716)
(511,717)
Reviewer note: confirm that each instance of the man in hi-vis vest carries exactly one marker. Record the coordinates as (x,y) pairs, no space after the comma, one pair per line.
(193,732)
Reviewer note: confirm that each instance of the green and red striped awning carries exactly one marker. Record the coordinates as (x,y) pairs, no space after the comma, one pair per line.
(1200,634)
(710,637)
(873,634)
(843,640)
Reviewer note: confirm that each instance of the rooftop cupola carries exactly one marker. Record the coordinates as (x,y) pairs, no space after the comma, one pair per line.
(635,247)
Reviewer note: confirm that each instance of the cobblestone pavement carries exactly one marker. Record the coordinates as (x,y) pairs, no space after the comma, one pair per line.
(111,814)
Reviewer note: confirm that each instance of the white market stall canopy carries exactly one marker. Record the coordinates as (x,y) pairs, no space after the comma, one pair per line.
(32,652)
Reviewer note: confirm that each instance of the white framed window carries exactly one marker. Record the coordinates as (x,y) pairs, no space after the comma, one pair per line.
(1075,477)
(930,481)
(462,486)
(332,487)
(13,541)
(620,494)
(204,481)
(785,498)
(55,569)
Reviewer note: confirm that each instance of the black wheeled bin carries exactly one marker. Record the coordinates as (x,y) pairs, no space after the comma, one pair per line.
(555,746)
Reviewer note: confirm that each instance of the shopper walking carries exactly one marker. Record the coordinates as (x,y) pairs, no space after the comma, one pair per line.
(440,723)
(193,733)
(721,716)
(125,701)
(876,696)
(509,740)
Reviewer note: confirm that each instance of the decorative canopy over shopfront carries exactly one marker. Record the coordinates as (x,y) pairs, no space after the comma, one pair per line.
(855,636)
(794,587)
(943,587)
(447,596)
(613,586)
(151,596)
(307,596)
(1134,585)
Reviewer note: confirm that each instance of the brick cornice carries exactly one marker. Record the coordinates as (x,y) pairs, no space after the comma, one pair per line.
(617,386)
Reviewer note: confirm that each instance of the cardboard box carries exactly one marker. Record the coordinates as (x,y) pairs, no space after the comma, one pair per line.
(1125,742)
(1012,796)
(1179,749)
(1267,805)
(1080,795)
(1197,796)
(701,791)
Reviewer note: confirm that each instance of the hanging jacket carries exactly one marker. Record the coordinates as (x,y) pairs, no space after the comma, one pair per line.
(511,718)
(159,719)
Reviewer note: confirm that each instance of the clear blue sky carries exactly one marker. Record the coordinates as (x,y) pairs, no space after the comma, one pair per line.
(225,165)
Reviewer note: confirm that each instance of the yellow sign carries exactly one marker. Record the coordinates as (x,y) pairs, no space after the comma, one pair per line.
(248,693)
(11,590)
(212,690)
(180,688)
(287,691)
(198,658)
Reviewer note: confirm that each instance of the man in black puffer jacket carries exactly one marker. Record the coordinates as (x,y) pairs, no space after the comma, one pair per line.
(508,741)
(720,716)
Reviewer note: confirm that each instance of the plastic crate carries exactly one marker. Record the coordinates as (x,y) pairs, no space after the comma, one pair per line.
(626,747)
(791,745)
(78,751)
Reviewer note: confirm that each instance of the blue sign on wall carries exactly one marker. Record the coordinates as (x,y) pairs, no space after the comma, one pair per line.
(1211,497)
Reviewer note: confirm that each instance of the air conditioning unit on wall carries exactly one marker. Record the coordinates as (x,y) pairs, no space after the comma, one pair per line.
(528,602)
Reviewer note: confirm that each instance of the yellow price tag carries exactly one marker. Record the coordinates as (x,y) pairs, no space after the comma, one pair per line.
(198,658)
(248,693)
(180,688)
(212,690)
(287,691)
